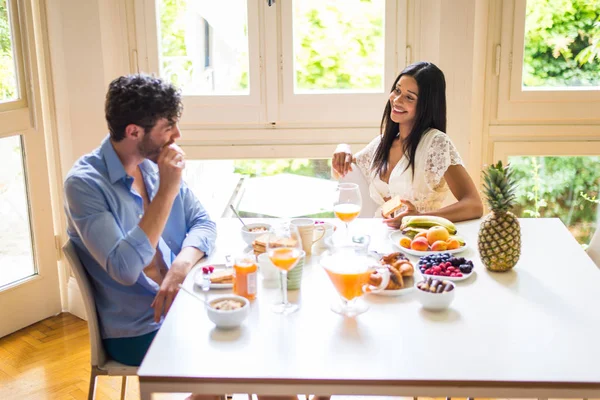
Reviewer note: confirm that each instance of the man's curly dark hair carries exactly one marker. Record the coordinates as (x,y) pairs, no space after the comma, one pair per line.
(141,100)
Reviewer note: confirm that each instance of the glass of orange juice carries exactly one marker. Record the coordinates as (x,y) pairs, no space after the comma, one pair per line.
(351,273)
(284,248)
(347,204)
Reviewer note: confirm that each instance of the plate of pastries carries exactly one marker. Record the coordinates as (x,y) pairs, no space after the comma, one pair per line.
(401,275)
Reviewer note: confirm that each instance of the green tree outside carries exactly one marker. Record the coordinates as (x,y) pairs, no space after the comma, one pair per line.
(562,43)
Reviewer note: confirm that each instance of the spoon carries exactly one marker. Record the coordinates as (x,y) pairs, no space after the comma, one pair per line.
(194,295)
(236,214)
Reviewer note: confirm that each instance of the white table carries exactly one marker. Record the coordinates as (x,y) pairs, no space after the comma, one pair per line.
(531,332)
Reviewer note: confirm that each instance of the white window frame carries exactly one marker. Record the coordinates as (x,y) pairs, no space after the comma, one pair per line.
(517,104)
(208,109)
(272,103)
(37,296)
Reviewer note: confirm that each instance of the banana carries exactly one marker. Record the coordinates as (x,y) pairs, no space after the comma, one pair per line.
(412,232)
(426,222)
(460,240)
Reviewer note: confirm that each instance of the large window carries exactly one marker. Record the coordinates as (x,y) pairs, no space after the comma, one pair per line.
(28,278)
(16,253)
(204,46)
(559,187)
(549,61)
(292,63)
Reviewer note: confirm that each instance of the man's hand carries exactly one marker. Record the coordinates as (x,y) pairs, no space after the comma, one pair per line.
(397,220)
(168,290)
(171,162)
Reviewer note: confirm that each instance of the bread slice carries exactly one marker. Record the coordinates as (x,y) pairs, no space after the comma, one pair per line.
(260,243)
(392,205)
(222,276)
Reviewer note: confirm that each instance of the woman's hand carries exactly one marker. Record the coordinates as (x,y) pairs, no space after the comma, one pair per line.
(341,162)
(396,221)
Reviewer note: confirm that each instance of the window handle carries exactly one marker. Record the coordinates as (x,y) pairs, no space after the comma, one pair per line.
(270,2)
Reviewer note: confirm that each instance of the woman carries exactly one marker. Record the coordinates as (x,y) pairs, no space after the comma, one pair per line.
(413,157)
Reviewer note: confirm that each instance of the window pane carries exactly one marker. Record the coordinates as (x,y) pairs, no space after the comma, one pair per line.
(562,44)
(8,75)
(264,188)
(204,46)
(16,255)
(560,187)
(338,45)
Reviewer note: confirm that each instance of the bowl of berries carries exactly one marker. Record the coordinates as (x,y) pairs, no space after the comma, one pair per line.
(435,294)
(445,266)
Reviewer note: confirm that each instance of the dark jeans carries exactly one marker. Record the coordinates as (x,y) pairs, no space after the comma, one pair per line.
(130,350)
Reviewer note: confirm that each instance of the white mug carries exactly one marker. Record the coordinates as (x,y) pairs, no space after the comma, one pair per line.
(329,229)
(307,229)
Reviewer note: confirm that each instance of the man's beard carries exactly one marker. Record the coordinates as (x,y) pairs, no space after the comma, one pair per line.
(148,149)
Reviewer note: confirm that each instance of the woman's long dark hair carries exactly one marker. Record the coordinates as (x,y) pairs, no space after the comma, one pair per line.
(431,113)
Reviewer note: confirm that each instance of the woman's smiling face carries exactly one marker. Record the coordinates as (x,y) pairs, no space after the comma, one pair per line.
(403,100)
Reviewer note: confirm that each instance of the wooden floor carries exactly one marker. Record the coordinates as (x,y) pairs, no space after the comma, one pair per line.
(51,360)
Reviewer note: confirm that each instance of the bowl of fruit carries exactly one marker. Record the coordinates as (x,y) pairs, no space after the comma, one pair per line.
(445,266)
(435,294)
(422,235)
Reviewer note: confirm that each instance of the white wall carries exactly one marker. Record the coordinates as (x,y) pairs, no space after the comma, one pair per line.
(88,49)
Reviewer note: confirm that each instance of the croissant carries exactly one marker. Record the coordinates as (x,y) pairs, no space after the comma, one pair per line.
(375,279)
(405,268)
(396,281)
(392,258)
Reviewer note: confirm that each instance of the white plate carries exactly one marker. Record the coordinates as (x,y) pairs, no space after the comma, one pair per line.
(446,278)
(198,279)
(409,287)
(397,235)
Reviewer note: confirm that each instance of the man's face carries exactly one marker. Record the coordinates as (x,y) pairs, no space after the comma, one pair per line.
(162,134)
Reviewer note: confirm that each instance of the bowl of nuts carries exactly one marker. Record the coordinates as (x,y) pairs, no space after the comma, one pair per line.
(228,312)
(252,231)
(435,294)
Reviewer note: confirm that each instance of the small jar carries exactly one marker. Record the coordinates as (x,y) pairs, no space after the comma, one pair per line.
(246,273)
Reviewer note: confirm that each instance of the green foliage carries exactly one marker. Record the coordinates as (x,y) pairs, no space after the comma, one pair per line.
(172,28)
(551,187)
(8,87)
(5,44)
(562,43)
(319,168)
(341,45)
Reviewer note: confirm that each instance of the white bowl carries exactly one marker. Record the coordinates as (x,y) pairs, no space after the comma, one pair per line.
(226,319)
(435,301)
(249,236)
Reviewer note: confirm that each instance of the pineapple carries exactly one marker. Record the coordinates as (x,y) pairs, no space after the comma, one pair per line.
(499,239)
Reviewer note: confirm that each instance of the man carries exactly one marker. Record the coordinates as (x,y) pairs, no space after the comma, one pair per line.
(137,227)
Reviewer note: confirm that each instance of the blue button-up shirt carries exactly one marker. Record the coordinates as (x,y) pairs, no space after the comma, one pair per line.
(103,212)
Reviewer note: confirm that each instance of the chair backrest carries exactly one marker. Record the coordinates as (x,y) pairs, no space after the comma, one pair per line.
(368,205)
(98,354)
(593,249)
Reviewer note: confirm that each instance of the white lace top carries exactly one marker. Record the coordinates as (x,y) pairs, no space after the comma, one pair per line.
(428,190)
